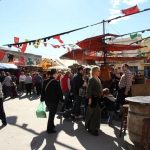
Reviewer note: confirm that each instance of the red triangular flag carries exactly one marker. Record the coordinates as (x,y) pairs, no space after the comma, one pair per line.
(131,10)
(55,46)
(24,47)
(58,38)
(2,54)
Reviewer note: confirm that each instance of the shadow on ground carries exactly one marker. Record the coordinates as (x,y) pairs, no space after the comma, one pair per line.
(88,141)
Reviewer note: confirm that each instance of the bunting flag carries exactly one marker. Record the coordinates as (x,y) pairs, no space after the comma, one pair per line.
(68,49)
(131,10)
(16,40)
(37,43)
(45,44)
(133,35)
(55,46)
(2,54)
(24,47)
(58,38)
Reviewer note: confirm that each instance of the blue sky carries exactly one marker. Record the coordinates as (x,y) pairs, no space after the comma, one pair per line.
(33,19)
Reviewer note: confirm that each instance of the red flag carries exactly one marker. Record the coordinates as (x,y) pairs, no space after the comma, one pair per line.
(131,10)
(24,47)
(55,46)
(16,40)
(2,54)
(58,38)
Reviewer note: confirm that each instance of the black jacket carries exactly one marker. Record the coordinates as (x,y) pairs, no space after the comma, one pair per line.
(77,83)
(53,93)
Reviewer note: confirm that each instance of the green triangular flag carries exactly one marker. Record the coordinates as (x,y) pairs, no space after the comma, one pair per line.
(133,35)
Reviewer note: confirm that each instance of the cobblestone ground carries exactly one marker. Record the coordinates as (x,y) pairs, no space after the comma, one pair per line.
(27,132)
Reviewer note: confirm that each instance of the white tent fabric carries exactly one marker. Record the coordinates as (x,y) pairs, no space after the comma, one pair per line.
(8,66)
(58,68)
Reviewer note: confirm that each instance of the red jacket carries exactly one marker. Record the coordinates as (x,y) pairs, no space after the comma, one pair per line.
(64,83)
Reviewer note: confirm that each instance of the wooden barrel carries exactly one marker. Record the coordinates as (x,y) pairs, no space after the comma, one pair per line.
(137,112)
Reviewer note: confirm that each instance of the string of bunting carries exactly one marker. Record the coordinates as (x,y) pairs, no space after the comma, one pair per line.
(131,33)
(126,12)
(140,40)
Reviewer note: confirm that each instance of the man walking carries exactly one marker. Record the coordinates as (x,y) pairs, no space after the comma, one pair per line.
(51,94)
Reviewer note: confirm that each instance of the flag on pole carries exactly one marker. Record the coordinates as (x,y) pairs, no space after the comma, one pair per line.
(131,10)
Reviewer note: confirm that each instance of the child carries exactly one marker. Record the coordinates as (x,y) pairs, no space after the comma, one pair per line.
(109,101)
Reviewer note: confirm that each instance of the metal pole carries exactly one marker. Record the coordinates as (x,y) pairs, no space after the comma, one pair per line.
(104,48)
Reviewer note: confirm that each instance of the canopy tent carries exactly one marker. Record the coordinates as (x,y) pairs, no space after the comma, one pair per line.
(97,44)
(8,66)
(59,68)
(80,54)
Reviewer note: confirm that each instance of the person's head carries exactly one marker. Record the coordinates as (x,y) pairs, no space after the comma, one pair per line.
(105,91)
(68,74)
(96,71)
(53,73)
(80,70)
(22,73)
(3,73)
(28,74)
(125,67)
(7,74)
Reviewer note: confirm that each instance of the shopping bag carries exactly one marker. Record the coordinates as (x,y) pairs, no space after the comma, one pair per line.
(41,110)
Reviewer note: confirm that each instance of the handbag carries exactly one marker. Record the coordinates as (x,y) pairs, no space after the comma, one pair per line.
(41,110)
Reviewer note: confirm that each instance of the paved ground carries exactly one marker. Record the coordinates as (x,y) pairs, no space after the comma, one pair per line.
(27,132)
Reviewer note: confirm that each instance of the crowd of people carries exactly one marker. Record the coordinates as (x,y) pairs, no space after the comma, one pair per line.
(81,94)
